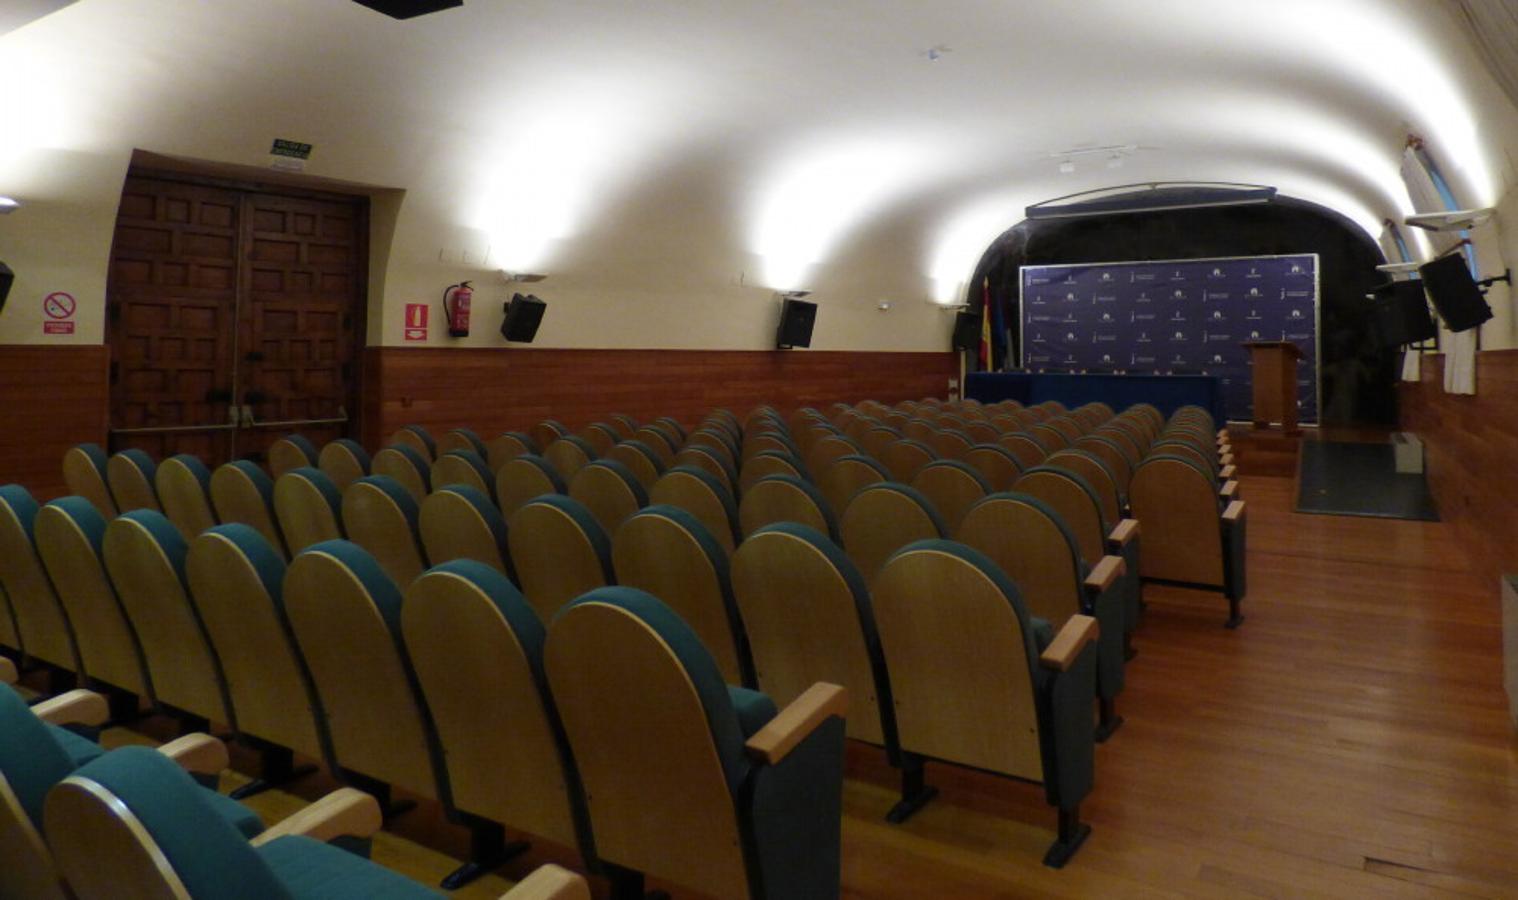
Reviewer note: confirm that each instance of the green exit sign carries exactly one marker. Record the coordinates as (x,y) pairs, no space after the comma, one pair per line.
(292,149)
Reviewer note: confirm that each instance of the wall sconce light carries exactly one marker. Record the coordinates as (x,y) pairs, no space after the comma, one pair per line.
(9,205)
(521,277)
(793,295)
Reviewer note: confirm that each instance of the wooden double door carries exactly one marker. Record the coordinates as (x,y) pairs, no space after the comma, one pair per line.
(234,317)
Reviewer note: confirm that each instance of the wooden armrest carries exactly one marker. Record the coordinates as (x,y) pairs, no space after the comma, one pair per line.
(344,812)
(550,882)
(1061,653)
(8,673)
(1226,459)
(1126,530)
(1234,512)
(1222,433)
(1224,447)
(77,707)
(1105,572)
(1227,472)
(198,753)
(1228,490)
(774,741)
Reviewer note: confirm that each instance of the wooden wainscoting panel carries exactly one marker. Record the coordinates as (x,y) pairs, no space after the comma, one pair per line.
(1471,448)
(51,398)
(493,390)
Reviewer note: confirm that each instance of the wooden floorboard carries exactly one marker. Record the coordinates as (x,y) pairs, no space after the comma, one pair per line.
(1350,740)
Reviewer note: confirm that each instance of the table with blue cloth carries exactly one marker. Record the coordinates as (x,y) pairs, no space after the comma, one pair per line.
(1167,392)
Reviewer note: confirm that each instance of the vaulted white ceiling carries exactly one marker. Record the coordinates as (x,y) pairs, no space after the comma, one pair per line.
(780,143)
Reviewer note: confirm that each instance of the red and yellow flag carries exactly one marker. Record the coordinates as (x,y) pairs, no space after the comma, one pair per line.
(985,326)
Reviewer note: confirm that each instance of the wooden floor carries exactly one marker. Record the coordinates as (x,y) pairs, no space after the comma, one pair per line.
(1350,740)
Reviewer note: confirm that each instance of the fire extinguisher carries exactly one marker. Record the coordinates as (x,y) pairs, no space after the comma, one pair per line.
(456,299)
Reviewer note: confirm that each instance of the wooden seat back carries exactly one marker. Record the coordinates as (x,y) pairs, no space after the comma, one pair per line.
(766,463)
(42,627)
(308,507)
(569,454)
(293,451)
(1029,542)
(183,485)
(523,478)
(145,555)
(951,443)
(1106,448)
(70,534)
(667,552)
(131,475)
(995,463)
(659,441)
(826,449)
(905,458)
(546,432)
(601,436)
(508,446)
(345,615)
(345,461)
(381,517)
(237,581)
(459,522)
(461,439)
(959,646)
(1075,502)
(626,425)
(883,518)
(1176,499)
(785,498)
(846,476)
(84,471)
(477,647)
(559,552)
(417,438)
(461,467)
(952,487)
(242,493)
(1049,436)
(610,491)
(704,497)
(1098,476)
(408,467)
(1029,450)
(641,460)
(711,460)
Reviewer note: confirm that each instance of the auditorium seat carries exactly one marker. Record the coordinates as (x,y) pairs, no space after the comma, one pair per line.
(747,801)
(921,430)
(610,491)
(132,824)
(345,461)
(672,427)
(1098,475)
(522,478)
(1048,435)
(459,522)
(84,471)
(766,463)
(878,438)
(995,463)
(461,439)
(1078,505)
(37,753)
(829,447)
(756,442)
(477,647)
(640,459)
(904,458)
(979,682)
(601,436)
(711,460)
(407,466)
(716,436)
(952,487)
(703,496)
(950,443)
(569,454)
(293,451)
(881,519)
(381,517)
(626,425)
(183,485)
(145,557)
(1027,447)
(237,581)
(546,432)
(808,618)
(657,440)
(308,507)
(848,475)
(667,552)
(462,467)
(42,627)
(70,533)
(417,438)
(508,446)
(1031,544)
(1129,436)
(1191,535)
(241,492)
(1106,448)
(559,551)
(130,474)
(786,498)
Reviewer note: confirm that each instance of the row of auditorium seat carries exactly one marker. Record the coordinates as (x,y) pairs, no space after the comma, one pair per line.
(78,822)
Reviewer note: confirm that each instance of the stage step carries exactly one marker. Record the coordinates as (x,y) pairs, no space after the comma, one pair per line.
(1263,452)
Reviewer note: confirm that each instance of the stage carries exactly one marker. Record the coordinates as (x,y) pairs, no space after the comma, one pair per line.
(1166,392)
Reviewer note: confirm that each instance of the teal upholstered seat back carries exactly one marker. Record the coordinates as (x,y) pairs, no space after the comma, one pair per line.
(31,759)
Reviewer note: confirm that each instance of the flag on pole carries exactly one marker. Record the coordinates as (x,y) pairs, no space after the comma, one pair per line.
(985,326)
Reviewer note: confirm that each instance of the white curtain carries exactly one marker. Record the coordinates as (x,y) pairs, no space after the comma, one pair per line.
(1460,362)
(1411,369)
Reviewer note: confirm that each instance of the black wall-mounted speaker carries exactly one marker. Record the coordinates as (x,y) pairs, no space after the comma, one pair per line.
(1401,314)
(7,278)
(966,331)
(523,315)
(796,320)
(1454,292)
(409,9)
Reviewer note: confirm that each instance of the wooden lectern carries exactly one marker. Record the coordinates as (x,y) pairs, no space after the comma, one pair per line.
(1275,383)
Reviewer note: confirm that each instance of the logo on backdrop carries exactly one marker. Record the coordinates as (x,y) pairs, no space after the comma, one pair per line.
(1137,306)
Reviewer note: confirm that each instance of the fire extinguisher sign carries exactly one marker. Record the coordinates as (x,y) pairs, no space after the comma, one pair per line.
(416,321)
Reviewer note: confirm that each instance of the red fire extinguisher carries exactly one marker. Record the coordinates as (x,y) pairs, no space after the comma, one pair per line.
(456,299)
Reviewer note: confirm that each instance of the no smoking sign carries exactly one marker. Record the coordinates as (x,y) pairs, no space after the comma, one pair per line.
(59,308)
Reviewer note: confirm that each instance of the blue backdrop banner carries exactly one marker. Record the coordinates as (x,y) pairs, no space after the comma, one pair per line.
(1174,317)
